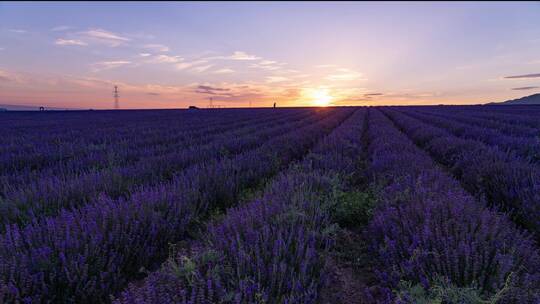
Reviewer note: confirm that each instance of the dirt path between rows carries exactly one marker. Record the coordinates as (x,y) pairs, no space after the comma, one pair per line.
(350,271)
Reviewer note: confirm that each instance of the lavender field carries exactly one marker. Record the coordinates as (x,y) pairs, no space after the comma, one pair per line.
(431,204)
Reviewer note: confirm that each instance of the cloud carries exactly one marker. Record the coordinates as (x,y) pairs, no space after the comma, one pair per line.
(61,28)
(203,68)
(373,94)
(267,67)
(354,98)
(18,31)
(524,88)
(145,54)
(107,65)
(153,94)
(185,65)
(167,59)
(157,47)
(267,62)
(324,66)
(344,75)
(61,41)
(103,34)
(6,76)
(537,75)
(274,79)
(300,75)
(224,71)
(106,37)
(239,55)
(1,48)
(206,89)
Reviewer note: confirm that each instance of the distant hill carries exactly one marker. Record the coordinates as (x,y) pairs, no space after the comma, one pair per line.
(527,100)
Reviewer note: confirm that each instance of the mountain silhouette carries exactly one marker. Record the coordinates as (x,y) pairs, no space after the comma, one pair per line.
(527,100)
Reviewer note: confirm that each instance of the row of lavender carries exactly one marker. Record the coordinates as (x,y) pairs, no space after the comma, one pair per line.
(90,147)
(519,128)
(35,146)
(433,241)
(52,193)
(526,147)
(502,179)
(272,249)
(513,110)
(103,152)
(511,115)
(85,254)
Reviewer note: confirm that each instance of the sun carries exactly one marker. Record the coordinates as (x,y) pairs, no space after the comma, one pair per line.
(321,98)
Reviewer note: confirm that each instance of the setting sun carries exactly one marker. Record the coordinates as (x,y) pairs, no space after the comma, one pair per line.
(320,97)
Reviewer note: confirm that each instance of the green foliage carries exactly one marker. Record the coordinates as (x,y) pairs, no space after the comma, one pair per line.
(444,292)
(183,267)
(353,208)
(188,266)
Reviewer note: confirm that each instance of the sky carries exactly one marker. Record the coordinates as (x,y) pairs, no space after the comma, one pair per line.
(242,54)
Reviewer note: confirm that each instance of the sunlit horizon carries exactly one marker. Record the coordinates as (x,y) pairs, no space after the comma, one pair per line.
(255,54)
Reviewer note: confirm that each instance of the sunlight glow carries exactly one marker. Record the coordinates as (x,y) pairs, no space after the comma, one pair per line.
(320,97)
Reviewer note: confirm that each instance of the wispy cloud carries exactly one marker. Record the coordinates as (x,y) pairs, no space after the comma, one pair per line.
(186,65)
(239,55)
(6,76)
(167,59)
(203,68)
(153,94)
(524,88)
(537,75)
(61,28)
(157,47)
(18,31)
(354,99)
(373,94)
(267,67)
(61,41)
(107,65)
(206,89)
(274,79)
(267,62)
(105,37)
(145,54)
(103,34)
(344,75)
(224,71)
(324,66)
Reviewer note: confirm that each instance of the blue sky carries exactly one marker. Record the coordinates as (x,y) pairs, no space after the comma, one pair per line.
(62,54)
